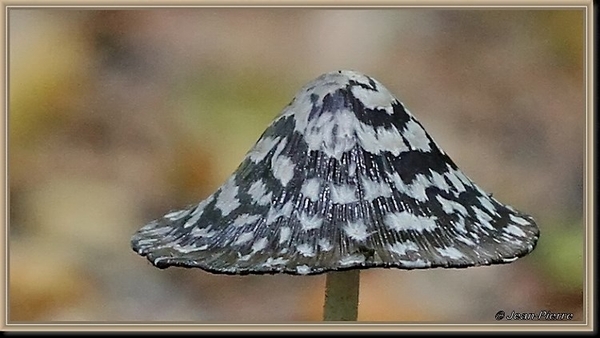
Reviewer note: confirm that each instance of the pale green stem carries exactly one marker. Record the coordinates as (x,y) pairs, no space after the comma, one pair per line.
(341,295)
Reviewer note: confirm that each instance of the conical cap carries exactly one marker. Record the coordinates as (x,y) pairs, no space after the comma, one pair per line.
(345,177)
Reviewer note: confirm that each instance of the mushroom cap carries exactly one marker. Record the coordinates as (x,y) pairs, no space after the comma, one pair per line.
(345,177)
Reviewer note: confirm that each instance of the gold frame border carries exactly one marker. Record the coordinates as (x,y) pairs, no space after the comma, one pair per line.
(588,324)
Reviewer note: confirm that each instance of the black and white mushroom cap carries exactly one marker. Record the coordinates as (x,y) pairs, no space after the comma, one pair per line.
(345,177)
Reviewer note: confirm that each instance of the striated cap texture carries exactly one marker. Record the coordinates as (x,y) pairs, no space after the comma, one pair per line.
(345,177)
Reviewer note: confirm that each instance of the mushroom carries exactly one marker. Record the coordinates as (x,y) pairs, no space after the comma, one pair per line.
(345,178)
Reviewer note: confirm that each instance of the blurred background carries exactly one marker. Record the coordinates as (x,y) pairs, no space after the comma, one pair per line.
(118,116)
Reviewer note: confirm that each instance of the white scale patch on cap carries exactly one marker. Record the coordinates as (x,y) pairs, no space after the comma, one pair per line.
(310,222)
(202,232)
(343,194)
(151,231)
(259,244)
(519,220)
(451,207)
(416,189)
(438,181)
(276,212)
(418,263)
(352,169)
(275,261)
(390,140)
(332,133)
(466,241)
(373,189)
(322,86)
(325,244)
(356,230)
(515,231)
(367,137)
(258,193)
(244,238)
(464,179)
(509,237)
(402,221)
(176,215)
(352,260)
(244,258)
(189,248)
(147,241)
(451,253)
(402,248)
(375,99)
(460,224)
(227,200)
(416,136)
(283,169)
(244,219)
(284,234)
(278,151)
(485,202)
(456,182)
(197,213)
(262,148)
(380,139)
(483,218)
(306,250)
(303,269)
(311,189)
(192,220)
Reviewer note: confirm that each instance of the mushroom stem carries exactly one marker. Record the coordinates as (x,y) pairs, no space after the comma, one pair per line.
(341,295)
